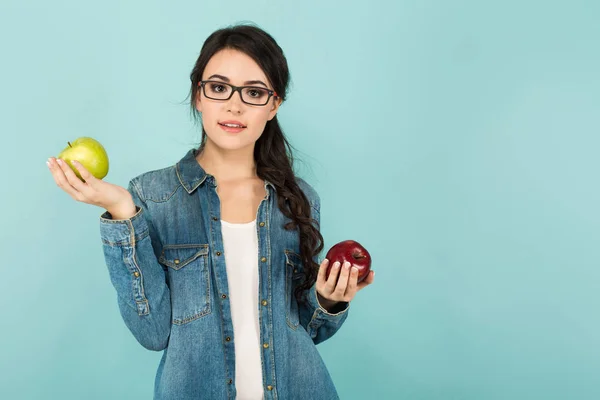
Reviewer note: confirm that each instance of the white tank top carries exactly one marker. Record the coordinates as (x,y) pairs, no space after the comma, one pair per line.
(240,245)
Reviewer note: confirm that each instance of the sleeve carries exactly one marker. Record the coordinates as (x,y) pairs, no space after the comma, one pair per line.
(318,322)
(140,281)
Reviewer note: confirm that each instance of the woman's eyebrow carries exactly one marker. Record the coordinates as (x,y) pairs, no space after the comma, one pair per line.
(226,79)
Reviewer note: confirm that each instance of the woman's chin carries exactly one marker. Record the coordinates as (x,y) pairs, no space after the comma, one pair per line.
(231,143)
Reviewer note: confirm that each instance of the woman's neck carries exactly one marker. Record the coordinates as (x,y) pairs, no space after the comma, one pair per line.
(227,165)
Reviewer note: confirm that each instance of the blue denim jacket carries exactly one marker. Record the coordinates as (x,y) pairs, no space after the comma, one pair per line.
(168,268)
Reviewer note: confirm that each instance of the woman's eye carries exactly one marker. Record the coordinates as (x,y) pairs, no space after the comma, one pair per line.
(256,93)
(217,88)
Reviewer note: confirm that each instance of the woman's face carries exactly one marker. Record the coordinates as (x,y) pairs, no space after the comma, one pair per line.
(238,69)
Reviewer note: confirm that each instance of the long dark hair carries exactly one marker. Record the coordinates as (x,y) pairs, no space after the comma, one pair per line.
(272,151)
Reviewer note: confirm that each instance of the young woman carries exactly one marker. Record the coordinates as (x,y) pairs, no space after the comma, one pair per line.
(214,258)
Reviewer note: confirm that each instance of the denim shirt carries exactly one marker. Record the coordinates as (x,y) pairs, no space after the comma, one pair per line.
(168,268)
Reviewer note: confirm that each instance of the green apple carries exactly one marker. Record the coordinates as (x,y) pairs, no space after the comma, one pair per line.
(89,153)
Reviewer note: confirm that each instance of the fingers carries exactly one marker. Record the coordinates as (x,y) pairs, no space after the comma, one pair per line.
(352,284)
(85,174)
(342,283)
(333,277)
(73,179)
(61,179)
(367,281)
(322,272)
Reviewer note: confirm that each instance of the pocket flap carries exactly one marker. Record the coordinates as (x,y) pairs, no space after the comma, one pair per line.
(294,260)
(178,256)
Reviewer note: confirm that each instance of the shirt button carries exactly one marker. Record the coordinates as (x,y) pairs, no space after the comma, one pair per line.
(262,224)
(227,339)
(264,302)
(136,274)
(266,345)
(269,387)
(263,259)
(223,296)
(215,218)
(218,253)
(230,381)
(176,261)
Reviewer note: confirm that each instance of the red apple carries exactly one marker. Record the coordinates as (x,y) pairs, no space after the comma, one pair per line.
(353,252)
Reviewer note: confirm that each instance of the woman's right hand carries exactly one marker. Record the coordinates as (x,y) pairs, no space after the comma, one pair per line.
(115,199)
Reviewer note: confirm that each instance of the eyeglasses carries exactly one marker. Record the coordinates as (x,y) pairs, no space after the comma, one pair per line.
(253,95)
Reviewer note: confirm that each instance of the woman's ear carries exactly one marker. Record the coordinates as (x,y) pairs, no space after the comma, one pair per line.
(198,103)
(275,107)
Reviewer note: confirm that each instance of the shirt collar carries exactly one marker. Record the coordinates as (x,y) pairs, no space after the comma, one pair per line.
(191,174)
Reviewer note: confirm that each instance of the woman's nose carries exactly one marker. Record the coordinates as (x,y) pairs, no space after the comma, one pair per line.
(235,103)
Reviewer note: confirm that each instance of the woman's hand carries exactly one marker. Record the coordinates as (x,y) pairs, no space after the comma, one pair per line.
(115,199)
(330,293)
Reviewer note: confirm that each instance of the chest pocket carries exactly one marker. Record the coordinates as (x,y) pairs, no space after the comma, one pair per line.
(294,274)
(189,281)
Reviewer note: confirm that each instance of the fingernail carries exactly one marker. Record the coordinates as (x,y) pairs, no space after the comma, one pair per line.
(59,161)
(354,269)
(48,163)
(336,264)
(347,265)
(326,261)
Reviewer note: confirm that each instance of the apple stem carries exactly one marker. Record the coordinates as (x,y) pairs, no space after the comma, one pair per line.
(70,144)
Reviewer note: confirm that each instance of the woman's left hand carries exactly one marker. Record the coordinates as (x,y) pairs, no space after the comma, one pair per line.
(347,286)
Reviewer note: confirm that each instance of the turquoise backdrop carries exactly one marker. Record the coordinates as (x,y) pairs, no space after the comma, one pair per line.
(457,140)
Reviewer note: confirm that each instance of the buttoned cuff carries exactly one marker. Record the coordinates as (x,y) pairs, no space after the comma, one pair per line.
(123,232)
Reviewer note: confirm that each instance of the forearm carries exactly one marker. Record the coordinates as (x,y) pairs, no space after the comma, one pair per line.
(332,307)
(138,278)
(125,210)
(319,322)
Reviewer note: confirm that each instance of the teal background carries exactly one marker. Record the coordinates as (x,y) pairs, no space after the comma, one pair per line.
(458,141)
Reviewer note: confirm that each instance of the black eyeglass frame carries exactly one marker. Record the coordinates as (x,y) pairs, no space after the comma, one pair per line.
(272,93)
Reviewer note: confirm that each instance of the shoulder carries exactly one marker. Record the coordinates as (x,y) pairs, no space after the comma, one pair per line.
(310,192)
(156,185)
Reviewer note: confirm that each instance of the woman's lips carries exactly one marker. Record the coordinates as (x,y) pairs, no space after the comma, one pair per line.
(232,129)
(232,126)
